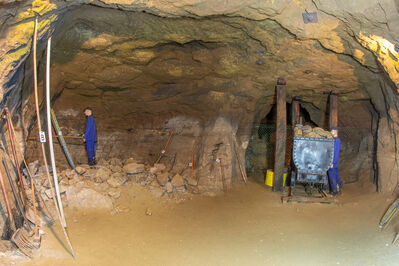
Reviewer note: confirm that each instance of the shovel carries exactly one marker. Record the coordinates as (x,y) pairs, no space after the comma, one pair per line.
(26,213)
(12,141)
(25,208)
(20,237)
(44,211)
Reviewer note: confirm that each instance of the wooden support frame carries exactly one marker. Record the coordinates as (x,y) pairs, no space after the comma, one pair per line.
(295,112)
(281,134)
(333,112)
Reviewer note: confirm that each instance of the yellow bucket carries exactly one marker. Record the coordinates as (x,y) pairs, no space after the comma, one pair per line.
(270,176)
(284,179)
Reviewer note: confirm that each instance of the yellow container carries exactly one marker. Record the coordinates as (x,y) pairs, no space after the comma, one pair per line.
(284,178)
(270,176)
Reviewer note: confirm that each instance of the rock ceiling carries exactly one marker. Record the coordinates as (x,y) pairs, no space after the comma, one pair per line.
(212,50)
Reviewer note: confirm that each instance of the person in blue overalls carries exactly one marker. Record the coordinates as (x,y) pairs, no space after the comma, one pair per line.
(90,136)
(333,177)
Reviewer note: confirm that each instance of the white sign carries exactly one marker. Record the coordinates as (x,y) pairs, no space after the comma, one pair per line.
(42,136)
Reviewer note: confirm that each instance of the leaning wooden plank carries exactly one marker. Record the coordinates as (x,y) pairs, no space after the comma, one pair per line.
(299,199)
(243,173)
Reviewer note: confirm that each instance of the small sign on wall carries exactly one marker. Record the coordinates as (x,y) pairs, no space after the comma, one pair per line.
(42,137)
(310,17)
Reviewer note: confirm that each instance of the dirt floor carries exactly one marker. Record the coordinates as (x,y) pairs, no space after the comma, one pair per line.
(247,226)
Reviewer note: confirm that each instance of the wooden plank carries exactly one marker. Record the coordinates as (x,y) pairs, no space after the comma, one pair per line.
(333,112)
(299,199)
(295,112)
(281,135)
(242,167)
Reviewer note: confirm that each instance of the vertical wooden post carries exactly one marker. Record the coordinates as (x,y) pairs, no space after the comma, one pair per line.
(281,134)
(333,112)
(295,112)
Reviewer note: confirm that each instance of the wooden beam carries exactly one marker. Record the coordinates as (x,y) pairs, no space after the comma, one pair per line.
(333,112)
(281,135)
(295,112)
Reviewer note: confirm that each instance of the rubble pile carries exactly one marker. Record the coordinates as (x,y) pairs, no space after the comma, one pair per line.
(309,132)
(97,187)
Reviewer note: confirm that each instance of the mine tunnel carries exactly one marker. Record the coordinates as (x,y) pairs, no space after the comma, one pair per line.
(259,156)
(200,110)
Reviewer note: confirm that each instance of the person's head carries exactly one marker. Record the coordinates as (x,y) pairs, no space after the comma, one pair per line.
(334,132)
(88,111)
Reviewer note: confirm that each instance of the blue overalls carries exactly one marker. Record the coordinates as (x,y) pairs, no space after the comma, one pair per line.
(91,138)
(333,172)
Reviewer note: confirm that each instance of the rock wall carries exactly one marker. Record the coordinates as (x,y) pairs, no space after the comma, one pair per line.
(141,64)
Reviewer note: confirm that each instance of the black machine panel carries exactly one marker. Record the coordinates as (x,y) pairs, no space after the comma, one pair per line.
(312,158)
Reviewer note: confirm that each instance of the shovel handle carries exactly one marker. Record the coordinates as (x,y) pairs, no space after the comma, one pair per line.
(32,189)
(167,143)
(17,165)
(191,156)
(13,189)
(164,148)
(3,189)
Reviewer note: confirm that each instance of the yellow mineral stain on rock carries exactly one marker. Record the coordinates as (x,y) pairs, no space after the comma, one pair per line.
(128,45)
(176,71)
(227,66)
(333,42)
(100,42)
(19,39)
(176,37)
(384,51)
(216,95)
(141,56)
(359,55)
(39,6)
